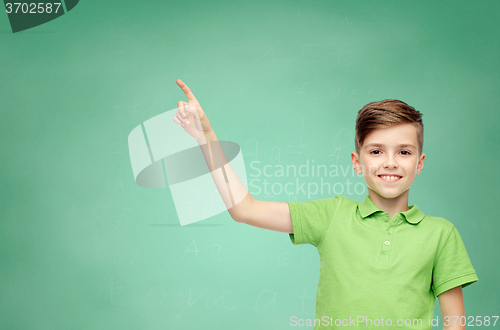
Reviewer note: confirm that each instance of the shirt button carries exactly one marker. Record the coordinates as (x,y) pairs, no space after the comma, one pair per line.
(386,242)
(389,232)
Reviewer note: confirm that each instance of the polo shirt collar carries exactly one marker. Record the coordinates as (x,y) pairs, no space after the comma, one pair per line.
(413,215)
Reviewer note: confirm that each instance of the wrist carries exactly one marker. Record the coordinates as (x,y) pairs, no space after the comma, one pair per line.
(205,138)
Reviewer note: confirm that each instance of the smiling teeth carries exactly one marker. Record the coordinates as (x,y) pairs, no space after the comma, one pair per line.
(389,177)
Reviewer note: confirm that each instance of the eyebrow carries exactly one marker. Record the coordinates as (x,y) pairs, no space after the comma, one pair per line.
(403,145)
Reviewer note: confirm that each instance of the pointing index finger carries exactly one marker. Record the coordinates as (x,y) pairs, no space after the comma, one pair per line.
(186,91)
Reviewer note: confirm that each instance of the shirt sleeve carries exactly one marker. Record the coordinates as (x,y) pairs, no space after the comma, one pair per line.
(311,219)
(452,266)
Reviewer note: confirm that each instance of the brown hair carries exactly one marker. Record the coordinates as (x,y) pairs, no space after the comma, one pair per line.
(385,114)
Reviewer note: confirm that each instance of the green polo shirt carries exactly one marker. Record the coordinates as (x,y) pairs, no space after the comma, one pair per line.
(373,267)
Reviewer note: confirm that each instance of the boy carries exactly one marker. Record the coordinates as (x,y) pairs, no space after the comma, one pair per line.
(383,263)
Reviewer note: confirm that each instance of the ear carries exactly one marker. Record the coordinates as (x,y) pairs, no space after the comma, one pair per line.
(420,164)
(355,162)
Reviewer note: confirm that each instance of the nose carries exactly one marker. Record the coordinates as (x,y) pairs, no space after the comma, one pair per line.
(390,162)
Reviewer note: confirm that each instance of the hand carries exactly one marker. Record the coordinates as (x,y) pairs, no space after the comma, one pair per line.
(192,117)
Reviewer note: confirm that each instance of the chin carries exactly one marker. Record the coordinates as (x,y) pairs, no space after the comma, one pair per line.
(395,195)
(388,196)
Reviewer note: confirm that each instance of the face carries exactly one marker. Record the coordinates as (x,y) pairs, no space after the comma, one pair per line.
(382,153)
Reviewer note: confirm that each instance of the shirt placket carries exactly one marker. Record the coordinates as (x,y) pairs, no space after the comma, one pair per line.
(387,239)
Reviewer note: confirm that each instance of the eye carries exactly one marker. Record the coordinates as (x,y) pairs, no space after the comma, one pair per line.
(405,152)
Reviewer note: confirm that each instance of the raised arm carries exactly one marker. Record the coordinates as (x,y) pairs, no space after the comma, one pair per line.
(241,205)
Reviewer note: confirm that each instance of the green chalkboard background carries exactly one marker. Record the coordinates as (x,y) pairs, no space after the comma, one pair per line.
(82,246)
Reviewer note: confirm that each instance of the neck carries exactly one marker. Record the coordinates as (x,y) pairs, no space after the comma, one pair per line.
(390,205)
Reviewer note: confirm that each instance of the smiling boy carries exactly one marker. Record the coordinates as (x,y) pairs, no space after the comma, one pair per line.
(383,263)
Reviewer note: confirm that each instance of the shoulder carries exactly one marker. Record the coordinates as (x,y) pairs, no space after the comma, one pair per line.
(340,202)
(337,203)
(438,221)
(339,199)
(437,225)
(328,205)
(343,200)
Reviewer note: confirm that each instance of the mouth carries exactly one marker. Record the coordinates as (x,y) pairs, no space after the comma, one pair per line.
(390,178)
